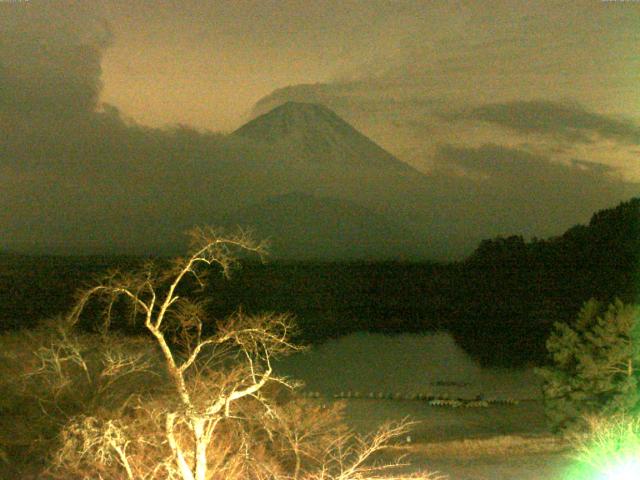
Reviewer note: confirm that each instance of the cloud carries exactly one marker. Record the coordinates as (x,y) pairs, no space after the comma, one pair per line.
(595,167)
(49,64)
(75,175)
(491,159)
(55,80)
(528,193)
(568,121)
(501,164)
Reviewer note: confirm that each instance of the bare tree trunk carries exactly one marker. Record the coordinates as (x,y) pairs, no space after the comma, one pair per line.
(296,472)
(183,466)
(201,448)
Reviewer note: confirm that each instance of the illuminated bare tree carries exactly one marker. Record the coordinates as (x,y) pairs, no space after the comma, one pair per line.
(190,357)
(220,409)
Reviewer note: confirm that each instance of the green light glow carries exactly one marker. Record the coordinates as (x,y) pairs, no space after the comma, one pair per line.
(628,469)
(611,450)
(616,468)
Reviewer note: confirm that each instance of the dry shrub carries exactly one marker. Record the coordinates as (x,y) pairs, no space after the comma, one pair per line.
(500,446)
(49,375)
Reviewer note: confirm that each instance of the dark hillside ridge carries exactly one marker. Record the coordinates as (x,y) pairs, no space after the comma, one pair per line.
(500,304)
(301,226)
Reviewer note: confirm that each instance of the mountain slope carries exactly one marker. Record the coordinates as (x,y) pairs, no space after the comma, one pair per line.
(306,147)
(312,133)
(301,226)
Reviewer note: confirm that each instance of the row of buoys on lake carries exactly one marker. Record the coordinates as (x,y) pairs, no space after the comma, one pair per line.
(434,400)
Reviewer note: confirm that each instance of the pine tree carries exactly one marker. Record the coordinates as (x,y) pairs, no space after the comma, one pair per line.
(595,365)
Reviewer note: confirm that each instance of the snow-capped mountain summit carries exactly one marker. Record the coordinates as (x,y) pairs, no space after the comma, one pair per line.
(306,147)
(309,132)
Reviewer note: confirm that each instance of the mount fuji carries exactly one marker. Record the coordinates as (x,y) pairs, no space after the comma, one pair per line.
(312,134)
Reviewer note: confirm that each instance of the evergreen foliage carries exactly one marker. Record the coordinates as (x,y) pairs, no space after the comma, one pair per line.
(595,367)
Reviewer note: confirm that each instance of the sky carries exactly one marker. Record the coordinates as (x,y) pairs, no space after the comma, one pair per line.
(493,91)
(213,60)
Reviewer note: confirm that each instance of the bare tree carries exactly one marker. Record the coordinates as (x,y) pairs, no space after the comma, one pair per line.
(190,358)
(216,383)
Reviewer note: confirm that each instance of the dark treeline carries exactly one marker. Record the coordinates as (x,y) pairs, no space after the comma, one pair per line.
(500,303)
(511,291)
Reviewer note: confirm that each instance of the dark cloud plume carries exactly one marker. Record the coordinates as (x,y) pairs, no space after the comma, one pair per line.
(54,79)
(49,65)
(568,121)
(75,175)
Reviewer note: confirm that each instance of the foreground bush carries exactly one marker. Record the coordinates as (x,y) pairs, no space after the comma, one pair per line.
(52,375)
(184,401)
(595,366)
